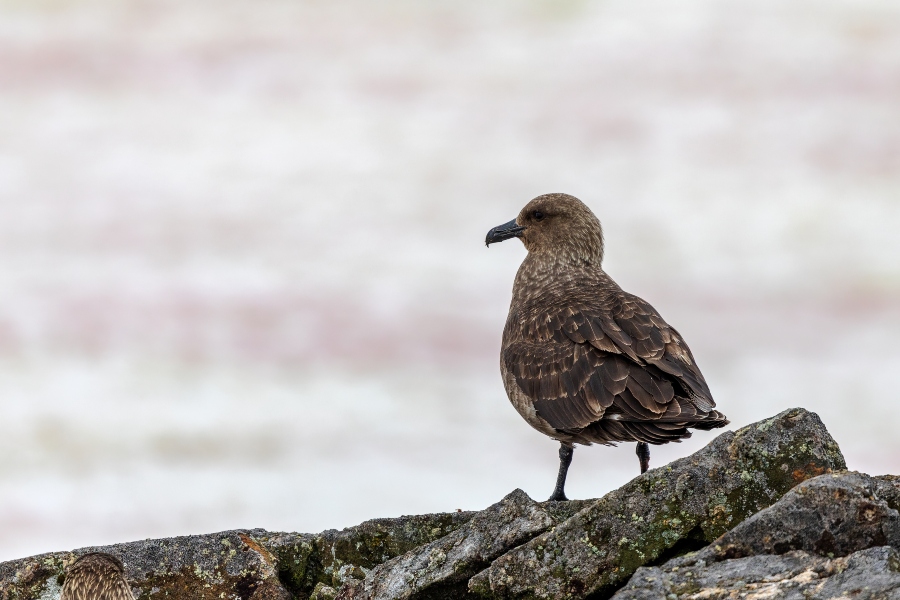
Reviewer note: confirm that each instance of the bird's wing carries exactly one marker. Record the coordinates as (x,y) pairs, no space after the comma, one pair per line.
(573,372)
(564,380)
(639,332)
(574,363)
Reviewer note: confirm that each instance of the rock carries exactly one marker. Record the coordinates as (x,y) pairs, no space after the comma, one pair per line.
(871,574)
(222,565)
(888,489)
(519,548)
(323,592)
(335,557)
(249,565)
(451,560)
(666,511)
(831,515)
(823,518)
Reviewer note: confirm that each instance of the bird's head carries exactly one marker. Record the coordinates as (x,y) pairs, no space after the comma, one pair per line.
(557,224)
(98,561)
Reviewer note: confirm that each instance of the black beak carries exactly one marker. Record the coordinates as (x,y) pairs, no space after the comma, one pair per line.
(503,232)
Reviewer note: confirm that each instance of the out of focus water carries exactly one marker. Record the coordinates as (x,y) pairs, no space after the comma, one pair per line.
(242,278)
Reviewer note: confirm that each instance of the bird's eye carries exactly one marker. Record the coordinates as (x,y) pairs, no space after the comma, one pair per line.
(538,215)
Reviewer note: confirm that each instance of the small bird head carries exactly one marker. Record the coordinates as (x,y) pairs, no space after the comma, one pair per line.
(555,223)
(98,561)
(96,576)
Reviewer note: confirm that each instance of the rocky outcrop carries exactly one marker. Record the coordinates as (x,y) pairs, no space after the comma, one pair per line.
(204,566)
(249,565)
(872,574)
(835,536)
(680,507)
(831,515)
(329,559)
(442,568)
(732,493)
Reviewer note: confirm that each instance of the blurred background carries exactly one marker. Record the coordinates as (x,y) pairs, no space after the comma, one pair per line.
(242,273)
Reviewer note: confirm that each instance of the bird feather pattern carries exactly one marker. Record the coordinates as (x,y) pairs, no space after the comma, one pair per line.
(96,576)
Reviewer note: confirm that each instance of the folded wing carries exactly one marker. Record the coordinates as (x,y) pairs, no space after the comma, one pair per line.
(614,372)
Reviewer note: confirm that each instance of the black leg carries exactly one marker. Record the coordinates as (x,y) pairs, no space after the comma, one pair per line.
(565,459)
(643,452)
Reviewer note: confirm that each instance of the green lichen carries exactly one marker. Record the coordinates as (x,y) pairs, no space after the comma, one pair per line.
(323,558)
(298,567)
(672,510)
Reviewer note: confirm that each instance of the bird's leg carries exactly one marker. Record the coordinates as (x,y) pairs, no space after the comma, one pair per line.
(643,452)
(565,459)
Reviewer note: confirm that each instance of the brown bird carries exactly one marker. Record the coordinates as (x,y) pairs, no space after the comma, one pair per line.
(96,576)
(582,360)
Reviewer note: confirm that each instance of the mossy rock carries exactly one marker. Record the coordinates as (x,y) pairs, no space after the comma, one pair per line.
(672,509)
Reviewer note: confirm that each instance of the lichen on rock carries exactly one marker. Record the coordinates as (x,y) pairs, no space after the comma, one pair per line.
(455,557)
(871,574)
(795,543)
(333,557)
(230,564)
(519,548)
(696,498)
(239,565)
(832,515)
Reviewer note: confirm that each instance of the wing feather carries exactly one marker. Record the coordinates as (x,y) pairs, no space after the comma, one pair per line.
(610,368)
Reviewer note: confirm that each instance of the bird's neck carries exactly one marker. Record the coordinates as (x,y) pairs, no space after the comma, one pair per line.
(541,274)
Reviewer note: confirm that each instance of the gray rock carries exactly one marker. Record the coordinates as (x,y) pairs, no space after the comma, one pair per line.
(451,560)
(871,574)
(831,515)
(666,511)
(323,592)
(335,557)
(823,518)
(221,565)
(888,489)
(520,548)
(250,565)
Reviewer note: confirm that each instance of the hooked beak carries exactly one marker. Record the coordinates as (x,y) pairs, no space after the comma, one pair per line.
(503,232)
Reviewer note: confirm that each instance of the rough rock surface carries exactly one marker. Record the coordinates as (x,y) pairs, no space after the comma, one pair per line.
(823,518)
(332,557)
(519,548)
(246,565)
(888,489)
(231,564)
(831,515)
(436,567)
(688,503)
(872,574)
